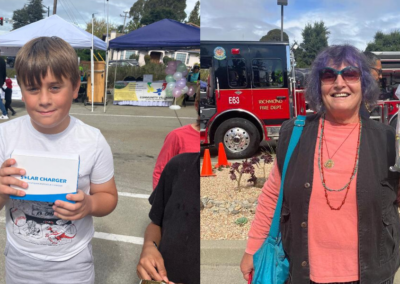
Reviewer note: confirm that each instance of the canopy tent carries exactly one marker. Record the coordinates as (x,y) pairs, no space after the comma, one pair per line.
(164,34)
(54,25)
(11,42)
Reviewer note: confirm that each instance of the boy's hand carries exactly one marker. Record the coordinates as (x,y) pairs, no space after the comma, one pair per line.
(6,180)
(70,211)
(151,264)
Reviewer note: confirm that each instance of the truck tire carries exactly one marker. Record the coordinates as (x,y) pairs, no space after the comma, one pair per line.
(393,123)
(239,136)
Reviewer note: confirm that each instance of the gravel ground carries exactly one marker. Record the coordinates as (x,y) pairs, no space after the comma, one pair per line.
(224,204)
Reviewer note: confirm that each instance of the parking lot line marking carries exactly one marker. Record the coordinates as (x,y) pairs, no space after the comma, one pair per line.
(119,238)
(135,195)
(136,116)
(109,237)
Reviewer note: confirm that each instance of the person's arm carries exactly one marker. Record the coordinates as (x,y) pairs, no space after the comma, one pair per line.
(151,263)
(262,220)
(102,201)
(6,180)
(398,195)
(169,149)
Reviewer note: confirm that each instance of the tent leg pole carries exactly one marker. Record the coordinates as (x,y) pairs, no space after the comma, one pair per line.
(105,95)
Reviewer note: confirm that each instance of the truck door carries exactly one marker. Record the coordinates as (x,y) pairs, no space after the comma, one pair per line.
(232,77)
(269,79)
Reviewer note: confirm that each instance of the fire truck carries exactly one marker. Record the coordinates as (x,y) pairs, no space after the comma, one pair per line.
(250,92)
(388,103)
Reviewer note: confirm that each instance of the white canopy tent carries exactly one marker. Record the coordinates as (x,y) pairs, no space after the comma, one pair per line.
(54,25)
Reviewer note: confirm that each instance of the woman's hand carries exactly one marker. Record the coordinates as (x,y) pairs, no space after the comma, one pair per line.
(246,266)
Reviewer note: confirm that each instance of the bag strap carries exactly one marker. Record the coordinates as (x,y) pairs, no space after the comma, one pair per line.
(296,133)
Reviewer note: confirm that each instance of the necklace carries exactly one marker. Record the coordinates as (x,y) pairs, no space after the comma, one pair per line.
(321,168)
(329,163)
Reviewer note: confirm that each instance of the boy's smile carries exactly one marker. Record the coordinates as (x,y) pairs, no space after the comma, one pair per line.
(48,105)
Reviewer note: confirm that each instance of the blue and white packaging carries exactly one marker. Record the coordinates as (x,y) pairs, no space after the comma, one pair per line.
(50,176)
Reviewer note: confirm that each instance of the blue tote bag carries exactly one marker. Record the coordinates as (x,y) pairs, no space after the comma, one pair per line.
(270,263)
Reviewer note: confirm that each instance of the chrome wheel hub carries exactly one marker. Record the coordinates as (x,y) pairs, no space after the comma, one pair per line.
(236,139)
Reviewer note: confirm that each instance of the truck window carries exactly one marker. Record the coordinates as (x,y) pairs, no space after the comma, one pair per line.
(237,73)
(267,73)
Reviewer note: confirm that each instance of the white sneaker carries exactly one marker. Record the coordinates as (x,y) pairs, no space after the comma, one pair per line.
(4,117)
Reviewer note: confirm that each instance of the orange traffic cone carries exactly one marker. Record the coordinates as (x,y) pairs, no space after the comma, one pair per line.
(206,170)
(222,160)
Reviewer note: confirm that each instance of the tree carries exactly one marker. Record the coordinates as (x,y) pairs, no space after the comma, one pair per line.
(158,15)
(385,42)
(30,13)
(145,12)
(315,39)
(100,27)
(275,35)
(195,14)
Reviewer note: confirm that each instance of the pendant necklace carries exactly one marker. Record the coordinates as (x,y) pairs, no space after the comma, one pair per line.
(321,167)
(329,163)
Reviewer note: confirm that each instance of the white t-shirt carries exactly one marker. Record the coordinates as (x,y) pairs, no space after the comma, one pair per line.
(41,235)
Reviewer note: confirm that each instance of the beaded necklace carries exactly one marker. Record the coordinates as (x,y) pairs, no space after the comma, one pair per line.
(321,168)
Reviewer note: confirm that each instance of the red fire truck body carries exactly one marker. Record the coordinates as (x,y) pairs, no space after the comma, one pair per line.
(250,93)
(389,103)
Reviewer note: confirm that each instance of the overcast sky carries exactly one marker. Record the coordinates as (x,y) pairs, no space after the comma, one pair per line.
(78,11)
(349,21)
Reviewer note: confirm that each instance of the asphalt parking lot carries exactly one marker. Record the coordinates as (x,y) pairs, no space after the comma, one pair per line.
(135,135)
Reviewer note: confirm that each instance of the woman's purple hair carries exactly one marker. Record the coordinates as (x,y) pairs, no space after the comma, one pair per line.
(336,55)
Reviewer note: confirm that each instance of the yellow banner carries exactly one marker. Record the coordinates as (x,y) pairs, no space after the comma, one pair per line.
(124,92)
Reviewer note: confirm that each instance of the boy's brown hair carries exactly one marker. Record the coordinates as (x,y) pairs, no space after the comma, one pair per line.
(42,54)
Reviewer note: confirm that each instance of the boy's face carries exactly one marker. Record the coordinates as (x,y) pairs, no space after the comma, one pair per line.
(49,105)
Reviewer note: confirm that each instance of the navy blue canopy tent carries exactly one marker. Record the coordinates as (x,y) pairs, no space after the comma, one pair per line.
(164,34)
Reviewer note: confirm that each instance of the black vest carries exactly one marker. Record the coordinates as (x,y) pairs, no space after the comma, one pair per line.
(376,193)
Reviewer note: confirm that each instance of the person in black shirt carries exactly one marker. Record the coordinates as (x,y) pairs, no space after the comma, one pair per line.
(171,248)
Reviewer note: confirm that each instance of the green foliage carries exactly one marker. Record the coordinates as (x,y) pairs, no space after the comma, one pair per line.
(275,35)
(385,42)
(145,12)
(11,72)
(134,56)
(315,39)
(147,59)
(167,59)
(158,71)
(30,13)
(83,54)
(158,15)
(204,74)
(195,14)
(36,10)
(100,27)
(241,221)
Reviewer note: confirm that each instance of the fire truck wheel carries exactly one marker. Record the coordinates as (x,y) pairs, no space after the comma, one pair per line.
(239,136)
(393,123)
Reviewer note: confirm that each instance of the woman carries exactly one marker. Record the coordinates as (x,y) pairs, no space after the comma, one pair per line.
(339,219)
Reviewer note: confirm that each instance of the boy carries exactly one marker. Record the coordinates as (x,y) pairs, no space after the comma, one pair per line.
(171,248)
(53,245)
(8,96)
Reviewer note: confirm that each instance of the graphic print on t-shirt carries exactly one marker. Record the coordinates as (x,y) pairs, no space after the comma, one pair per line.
(35,223)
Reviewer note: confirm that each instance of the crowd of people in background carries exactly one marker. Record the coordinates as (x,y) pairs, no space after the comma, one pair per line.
(7,89)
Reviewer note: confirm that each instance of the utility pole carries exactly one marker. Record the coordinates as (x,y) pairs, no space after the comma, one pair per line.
(48,10)
(55,7)
(282,3)
(126,12)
